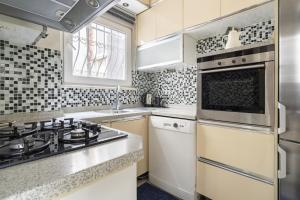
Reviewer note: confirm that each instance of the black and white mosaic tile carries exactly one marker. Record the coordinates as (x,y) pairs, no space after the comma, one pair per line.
(81,97)
(250,34)
(30,79)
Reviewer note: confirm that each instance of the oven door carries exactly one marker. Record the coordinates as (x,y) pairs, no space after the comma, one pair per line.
(242,94)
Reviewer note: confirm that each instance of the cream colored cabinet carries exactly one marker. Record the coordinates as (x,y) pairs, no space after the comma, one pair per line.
(169,17)
(147,2)
(146,27)
(138,126)
(219,184)
(231,6)
(154,1)
(199,11)
(163,19)
(245,150)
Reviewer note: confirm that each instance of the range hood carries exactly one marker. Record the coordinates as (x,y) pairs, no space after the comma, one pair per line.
(172,52)
(64,15)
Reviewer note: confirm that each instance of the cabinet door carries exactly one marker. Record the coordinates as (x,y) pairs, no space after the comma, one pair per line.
(146,26)
(199,11)
(138,126)
(230,6)
(169,17)
(246,150)
(147,2)
(219,184)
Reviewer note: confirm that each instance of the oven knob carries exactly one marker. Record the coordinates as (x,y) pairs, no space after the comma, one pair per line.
(219,63)
(175,125)
(233,61)
(244,60)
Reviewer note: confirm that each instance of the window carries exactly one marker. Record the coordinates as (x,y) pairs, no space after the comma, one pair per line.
(98,54)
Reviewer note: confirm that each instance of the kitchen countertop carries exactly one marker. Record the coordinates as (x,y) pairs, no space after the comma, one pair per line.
(183,111)
(51,177)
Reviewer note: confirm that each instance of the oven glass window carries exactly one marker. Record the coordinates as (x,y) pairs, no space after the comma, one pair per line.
(235,91)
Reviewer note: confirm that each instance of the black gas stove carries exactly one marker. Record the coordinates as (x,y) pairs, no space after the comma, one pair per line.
(21,143)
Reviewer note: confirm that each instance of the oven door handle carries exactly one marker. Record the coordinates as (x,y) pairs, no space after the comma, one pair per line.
(232,69)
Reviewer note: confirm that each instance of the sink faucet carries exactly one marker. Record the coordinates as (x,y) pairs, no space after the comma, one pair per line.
(117,103)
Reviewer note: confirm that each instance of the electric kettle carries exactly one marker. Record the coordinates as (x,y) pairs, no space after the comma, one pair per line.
(233,38)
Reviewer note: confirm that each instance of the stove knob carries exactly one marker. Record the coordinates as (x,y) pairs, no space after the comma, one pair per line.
(219,63)
(233,61)
(175,125)
(244,60)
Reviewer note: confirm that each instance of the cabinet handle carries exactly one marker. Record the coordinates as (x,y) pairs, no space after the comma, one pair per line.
(282,163)
(238,171)
(282,118)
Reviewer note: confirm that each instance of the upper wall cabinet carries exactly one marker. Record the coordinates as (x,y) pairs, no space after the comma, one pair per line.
(200,11)
(231,6)
(169,17)
(146,27)
(153,1)
(147,2)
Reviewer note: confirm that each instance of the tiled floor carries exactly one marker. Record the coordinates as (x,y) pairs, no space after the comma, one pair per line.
(146,191)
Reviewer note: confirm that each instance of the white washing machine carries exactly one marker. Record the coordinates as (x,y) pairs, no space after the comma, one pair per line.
(172,155)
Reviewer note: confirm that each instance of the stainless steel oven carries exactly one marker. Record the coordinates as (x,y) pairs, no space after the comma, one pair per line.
(237,85)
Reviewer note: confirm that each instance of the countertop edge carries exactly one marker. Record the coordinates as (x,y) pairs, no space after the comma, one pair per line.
(68,183)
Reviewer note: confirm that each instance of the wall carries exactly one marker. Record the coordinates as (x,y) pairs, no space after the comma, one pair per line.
(31,78)
(180,85)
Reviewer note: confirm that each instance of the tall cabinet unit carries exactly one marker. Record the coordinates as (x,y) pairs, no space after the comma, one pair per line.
(200,11)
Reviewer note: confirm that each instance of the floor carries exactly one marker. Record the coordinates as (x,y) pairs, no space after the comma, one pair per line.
(146,191)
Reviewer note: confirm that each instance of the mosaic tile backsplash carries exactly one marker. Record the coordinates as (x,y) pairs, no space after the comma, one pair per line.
(31,78)
(250,34)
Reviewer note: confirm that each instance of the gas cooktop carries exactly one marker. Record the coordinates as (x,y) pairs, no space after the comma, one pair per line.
(21,143)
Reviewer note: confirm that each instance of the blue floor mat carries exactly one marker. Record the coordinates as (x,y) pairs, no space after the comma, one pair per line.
(149,192)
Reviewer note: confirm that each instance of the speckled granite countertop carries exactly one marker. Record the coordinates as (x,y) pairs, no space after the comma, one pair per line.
(184,112)
(50,177)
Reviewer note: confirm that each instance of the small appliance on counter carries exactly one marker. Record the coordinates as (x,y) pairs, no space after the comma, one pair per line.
(147,99)
(156,102)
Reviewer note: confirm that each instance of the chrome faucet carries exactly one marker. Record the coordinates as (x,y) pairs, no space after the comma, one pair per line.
(117,103)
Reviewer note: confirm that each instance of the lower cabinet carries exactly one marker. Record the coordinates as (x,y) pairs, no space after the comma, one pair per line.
(235,164)
(219,184)
(138,126)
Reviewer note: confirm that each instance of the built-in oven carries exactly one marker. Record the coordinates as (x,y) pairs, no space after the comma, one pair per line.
(237,85)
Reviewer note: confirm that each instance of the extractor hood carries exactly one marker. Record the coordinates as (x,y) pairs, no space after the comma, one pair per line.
(64,15)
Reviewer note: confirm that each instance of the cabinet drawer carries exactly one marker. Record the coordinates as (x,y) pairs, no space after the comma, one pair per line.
(219,184)
(246,150)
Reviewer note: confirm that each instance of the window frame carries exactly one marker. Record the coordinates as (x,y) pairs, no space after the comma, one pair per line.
(70,79)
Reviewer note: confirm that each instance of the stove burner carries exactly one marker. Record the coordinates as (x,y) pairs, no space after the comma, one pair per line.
(21,143)
(18,148)
(16,145)
(53,124)
(78,136)
(77,133)
(18,131)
